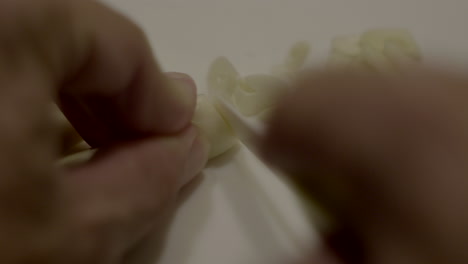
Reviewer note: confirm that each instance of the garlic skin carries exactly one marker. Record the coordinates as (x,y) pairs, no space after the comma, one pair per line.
(213,127)
(222,78)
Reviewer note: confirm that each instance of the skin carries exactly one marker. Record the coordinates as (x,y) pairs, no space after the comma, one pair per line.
(385,156)
(101,72)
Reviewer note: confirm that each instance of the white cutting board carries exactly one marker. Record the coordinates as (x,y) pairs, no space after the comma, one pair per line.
(239,212)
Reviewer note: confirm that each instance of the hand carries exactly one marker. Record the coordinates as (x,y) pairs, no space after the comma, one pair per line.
(387,157)
(99,69)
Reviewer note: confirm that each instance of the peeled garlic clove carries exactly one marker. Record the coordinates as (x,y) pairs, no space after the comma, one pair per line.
(400,37)
(213,127)
(258,92)
(222,78)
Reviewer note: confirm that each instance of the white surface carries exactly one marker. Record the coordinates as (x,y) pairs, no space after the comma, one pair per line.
(224,220)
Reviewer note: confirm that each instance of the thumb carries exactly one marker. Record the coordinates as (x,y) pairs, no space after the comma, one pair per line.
(128,188)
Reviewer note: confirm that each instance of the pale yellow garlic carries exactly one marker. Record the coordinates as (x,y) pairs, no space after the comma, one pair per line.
(386,51)
(213,127)
(222,77)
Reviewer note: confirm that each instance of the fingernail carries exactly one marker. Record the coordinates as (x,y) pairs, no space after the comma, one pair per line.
(180,76)
(184,93)
(197,158)
(183,86)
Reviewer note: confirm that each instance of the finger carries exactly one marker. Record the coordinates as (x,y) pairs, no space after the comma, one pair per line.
(131,187)
(121,89)
(355,123)
(103,120)
(81,50)
(376,152)
(108,82)
(72,142)
(332,124)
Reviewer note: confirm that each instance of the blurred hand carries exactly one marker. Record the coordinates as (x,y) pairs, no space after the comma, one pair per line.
(386,157)
(99,69)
